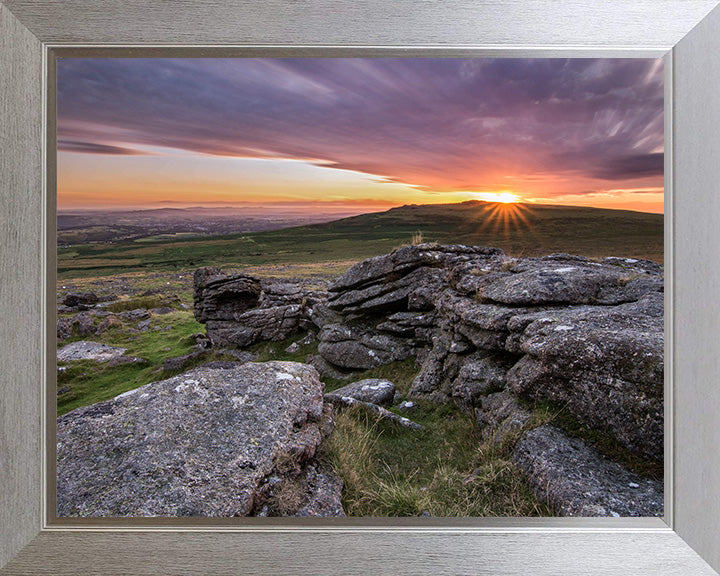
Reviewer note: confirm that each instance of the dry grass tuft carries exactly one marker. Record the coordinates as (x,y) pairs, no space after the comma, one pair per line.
(445,470)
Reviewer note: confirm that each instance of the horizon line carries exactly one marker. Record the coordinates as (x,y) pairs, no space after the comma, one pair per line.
(329,203)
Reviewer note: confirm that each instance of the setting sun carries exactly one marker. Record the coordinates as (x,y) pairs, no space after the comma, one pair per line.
(504,197)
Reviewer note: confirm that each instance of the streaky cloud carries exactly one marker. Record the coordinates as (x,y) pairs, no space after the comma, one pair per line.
(95,148)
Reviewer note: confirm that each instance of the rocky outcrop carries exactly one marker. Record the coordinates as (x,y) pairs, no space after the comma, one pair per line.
(577,481)
(585,334)
(605,364)
(239,310)
(489,332)
(227,442)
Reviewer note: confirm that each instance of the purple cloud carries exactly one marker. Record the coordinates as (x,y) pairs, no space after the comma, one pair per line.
(439,123)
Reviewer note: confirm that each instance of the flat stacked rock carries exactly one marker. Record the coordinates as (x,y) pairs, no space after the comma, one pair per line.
(239,310)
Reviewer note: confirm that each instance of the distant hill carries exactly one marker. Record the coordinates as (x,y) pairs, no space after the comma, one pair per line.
(519,229)
(103,226)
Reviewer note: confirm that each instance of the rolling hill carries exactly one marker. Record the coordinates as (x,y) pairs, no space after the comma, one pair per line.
(519,229)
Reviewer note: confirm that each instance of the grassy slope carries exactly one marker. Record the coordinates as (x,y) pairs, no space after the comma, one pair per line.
(519,229)
(92,382)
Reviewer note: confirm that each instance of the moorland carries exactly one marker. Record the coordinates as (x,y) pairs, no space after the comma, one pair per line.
(144,284)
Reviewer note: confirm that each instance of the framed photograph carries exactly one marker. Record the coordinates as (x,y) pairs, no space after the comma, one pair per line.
(75,122)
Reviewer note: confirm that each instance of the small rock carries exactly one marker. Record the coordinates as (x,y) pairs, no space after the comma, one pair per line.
(241,356)
(110,321)
(63,390)
(180,362)
(81,324)
(294,347)
(84,350)
(144,325)
(373,390)
(201,340)
(407,407)
(137,314)
(77,298)
(308,339)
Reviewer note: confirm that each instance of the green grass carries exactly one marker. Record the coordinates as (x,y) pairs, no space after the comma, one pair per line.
(92,382)
(444,470)
(527,230)
(135,303)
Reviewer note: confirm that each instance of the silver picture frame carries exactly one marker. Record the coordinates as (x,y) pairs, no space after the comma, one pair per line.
(685,541)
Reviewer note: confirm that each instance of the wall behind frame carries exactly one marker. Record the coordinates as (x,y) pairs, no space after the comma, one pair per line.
(21,329)
(696,143)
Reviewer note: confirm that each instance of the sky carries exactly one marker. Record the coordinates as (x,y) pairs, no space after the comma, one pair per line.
(367,133)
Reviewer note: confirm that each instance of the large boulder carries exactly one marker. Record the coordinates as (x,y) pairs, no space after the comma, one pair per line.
(604,364)
(577,481)
(565,279)
(210,442)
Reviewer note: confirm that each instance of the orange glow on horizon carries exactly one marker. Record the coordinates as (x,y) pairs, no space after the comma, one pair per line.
(143,182)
